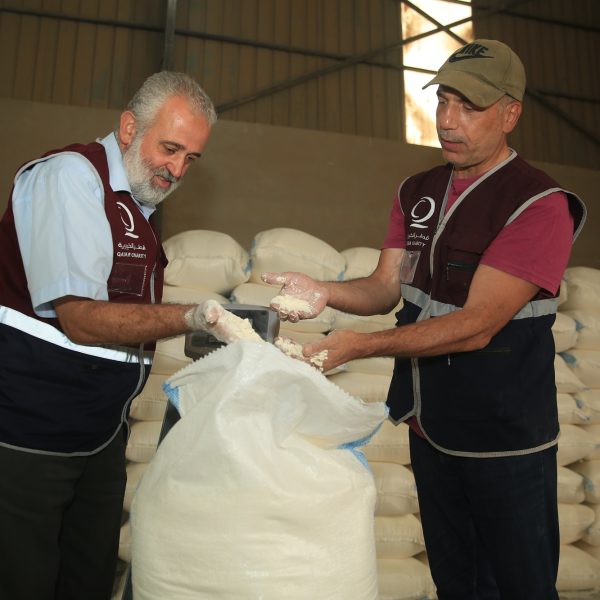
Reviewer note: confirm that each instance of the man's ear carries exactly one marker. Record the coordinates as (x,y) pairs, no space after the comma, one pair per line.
(512,112)
(127,128)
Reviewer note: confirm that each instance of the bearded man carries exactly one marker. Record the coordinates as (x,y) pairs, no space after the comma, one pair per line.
(81,274)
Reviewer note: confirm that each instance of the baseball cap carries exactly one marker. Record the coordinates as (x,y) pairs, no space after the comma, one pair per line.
(483,71)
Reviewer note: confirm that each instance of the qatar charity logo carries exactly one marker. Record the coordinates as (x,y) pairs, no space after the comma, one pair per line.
(422,211)
(127,219)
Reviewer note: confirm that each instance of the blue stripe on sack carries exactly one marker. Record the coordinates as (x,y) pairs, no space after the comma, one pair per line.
(172,394)
(356,444)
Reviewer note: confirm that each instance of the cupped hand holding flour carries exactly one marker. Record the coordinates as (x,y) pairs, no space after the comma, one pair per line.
(300,297)
(295,350)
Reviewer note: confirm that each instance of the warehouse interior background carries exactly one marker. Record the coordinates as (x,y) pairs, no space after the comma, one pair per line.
(312,130)
(321,112)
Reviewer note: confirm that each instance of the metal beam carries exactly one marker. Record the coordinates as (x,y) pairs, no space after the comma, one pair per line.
(169,46)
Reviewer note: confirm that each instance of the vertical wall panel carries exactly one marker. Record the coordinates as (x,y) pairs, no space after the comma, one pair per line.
(29,28)
(330,99)
(298,27)
(281,62)
(247,59)
(9,40)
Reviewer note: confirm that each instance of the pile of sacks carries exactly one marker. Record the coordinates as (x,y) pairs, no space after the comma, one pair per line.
(577,340)
(207,264)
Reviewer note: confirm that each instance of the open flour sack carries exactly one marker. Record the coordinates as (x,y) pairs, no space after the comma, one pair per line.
(257,492)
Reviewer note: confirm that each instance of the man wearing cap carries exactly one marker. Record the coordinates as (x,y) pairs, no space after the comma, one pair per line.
(476,248)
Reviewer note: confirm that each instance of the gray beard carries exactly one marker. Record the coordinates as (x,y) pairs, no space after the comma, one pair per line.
(140,174)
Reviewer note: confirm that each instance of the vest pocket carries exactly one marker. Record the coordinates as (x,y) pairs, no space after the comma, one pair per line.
(128,278)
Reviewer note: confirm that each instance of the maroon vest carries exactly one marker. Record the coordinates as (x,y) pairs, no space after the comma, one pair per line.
(74,399)
(500,399)
(138,257)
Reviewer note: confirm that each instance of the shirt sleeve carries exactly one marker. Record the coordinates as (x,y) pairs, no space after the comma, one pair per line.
(63,232)
(396,236)
(536,246)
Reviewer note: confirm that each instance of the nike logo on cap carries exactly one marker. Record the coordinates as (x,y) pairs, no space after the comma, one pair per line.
(469,51)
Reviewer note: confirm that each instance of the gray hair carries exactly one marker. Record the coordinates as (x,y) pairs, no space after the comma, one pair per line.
(161,86)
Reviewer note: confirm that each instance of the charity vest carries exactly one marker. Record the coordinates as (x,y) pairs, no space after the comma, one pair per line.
(499,400)
(56,396)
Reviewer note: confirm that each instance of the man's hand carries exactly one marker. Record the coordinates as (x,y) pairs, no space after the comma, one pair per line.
(212,317)
(300,297)
(337,348)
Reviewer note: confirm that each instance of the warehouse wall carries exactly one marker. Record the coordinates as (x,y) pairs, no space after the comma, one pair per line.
(254,177)
(96,53)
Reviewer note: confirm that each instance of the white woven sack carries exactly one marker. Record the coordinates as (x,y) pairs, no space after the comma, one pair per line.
(572,411)
(404,579)
(379,365)
(125,542)
(589,401)
(592,534)
(151,403)
(396,490)
(564,332)
(573,520)
(300,337)
(253,494)
(577,570)
(179,294)
(583,289)
(585,365)
(286,249)
(574,444)
(562,293)
(207,259)
(370,387)
(594,431)
(362,324)
(143,440)
(398,537)
(360,261)
(169,356)
(569,486)
(261,294)
(135,471)
(593,551)
(590,470)
(389,444)
(588,328)
(566,381)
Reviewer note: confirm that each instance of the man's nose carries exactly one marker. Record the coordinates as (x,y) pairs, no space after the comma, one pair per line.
(447,117)
(177,166)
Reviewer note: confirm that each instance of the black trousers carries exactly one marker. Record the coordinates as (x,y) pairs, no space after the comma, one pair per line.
(59,523)
(490,524)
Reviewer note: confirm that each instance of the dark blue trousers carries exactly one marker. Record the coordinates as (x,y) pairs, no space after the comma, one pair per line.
(59,523)
(490,524)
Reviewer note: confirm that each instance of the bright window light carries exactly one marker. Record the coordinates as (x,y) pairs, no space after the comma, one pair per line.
(428,53)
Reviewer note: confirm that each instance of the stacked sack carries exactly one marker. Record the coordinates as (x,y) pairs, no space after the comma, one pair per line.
(577,338)
(202,265)
(207,264)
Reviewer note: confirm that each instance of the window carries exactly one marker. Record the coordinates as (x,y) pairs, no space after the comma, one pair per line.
(424,56)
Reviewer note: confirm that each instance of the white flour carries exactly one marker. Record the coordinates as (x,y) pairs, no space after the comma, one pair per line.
(294,350)
(289,303)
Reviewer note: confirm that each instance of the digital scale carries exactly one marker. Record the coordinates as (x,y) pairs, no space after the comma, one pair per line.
(264,321)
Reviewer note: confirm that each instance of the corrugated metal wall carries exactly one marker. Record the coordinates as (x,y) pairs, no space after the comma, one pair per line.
(96,52)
